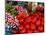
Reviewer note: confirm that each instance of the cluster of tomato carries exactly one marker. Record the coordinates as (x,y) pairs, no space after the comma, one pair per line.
(34,22)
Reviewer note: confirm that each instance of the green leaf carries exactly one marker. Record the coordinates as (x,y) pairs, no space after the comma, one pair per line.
(14,12)
(8,7)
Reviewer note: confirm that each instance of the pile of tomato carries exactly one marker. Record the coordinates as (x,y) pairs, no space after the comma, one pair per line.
(34,22)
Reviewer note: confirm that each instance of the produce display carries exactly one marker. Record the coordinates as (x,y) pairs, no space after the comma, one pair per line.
(24,17)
